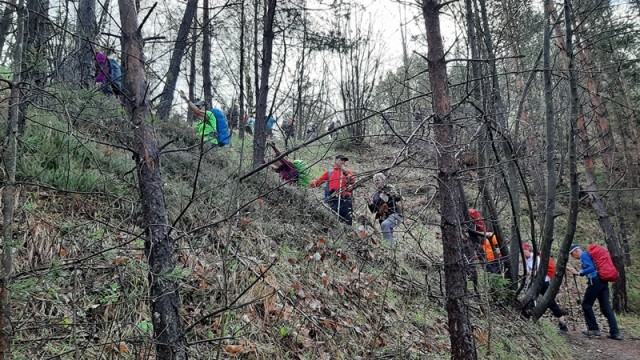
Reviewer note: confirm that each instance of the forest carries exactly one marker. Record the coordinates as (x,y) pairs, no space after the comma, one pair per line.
(174,176)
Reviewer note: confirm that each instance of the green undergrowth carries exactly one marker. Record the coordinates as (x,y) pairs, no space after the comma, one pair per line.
(265,271)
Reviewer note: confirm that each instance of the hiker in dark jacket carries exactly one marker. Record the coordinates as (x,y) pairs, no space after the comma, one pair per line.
(386,203)
(339,185)
(596,289)
(284,167)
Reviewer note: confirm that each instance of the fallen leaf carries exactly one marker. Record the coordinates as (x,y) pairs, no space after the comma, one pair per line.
(260,202)
(321,241)
(234,350)
(325,280)
(120,260)
(123,348)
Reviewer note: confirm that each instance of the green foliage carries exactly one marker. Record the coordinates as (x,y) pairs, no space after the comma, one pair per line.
(5,73)
(64,159)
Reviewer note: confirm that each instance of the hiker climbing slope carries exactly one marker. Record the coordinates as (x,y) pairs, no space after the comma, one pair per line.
(206,126)
(553,305)
(597,288)
(338,190)
(284,167)
(386,203)
(490,250)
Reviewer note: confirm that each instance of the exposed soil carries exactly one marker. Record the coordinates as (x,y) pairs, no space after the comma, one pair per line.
(596,348)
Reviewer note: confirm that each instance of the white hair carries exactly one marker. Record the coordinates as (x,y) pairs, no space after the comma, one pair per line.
(379,176)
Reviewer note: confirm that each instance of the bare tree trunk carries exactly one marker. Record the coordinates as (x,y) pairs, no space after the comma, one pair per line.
(193,60)
(260,136)
(572,220)
(166,98)
(159,246)
(241,71)
(206,54)
(550,207)
(452,210)
(6,21)
(84,59)
(10,191)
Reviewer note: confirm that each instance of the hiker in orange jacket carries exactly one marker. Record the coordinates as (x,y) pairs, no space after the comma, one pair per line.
(338,194)
(491,251)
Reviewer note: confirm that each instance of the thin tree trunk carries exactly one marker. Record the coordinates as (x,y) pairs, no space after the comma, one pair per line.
(193,60)
(84,59)
(206,54)
(166,98)
(550,207)
(260,138)
(6,21)
(10,192)
(159,246)
(451,207)
(563,255)
(241,71)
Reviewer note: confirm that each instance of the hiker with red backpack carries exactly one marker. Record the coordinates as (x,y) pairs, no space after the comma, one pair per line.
(338,189)
(551,269)
(598,268)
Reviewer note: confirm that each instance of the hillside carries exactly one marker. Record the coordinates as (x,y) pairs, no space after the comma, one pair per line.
(266,272)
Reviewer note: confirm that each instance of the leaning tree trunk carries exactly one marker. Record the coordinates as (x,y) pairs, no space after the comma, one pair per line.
(563,255)
(171,78)
(159,247)
(193,68)
(206,53)
(260,136)
(451,208)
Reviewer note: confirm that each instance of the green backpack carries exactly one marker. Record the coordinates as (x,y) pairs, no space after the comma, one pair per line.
(303,173)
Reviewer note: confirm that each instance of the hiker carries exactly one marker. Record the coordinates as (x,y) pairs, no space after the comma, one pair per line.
(553,305)
(338,190)
(108,74)
(596,289)
(249,123)
(289,130)
(311,130)
(476,229)
(491,252)
(271,124)
(207,125)
(284,167)
(331,127)
(386,203)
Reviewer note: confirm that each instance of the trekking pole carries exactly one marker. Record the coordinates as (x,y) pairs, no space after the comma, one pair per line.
(573,320)
(575,282)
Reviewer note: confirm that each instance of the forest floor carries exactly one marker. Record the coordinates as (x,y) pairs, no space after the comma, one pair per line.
(596,348)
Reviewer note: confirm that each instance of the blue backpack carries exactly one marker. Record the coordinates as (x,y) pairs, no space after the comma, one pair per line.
(224,138)
(116,73)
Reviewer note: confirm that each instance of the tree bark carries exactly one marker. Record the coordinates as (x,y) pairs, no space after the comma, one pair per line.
(193,59)
(260,136)
(451,209)
(572,220)
(6,21)
(84,59)
(171,78)
(241,72)
(206,54)
(10,191)
(159,246)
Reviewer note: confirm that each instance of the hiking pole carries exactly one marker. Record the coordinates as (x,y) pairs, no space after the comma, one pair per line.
(575,282)
(573,320)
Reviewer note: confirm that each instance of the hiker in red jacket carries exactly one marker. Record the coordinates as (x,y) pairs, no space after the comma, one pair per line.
(596,289)
(338,194)
(553,305)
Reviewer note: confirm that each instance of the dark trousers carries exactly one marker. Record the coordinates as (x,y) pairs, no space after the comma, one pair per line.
(342,207)
(553,305)
(598,289)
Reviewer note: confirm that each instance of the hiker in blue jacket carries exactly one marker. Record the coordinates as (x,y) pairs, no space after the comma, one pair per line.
(596,289)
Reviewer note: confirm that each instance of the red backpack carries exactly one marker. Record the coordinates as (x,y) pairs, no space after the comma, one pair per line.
(551,269)
(606,270)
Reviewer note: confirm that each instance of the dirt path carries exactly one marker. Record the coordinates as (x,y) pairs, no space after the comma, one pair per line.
(600,348)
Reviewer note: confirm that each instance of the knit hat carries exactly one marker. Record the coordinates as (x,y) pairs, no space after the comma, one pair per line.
(574,247)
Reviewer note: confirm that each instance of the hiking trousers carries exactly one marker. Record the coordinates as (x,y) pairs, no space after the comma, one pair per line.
(343,208)
(553,305)
(388,225)
(598,289)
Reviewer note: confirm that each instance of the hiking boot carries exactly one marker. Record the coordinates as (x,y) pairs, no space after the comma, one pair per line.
(563,327)
(615,336)
(591,333)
